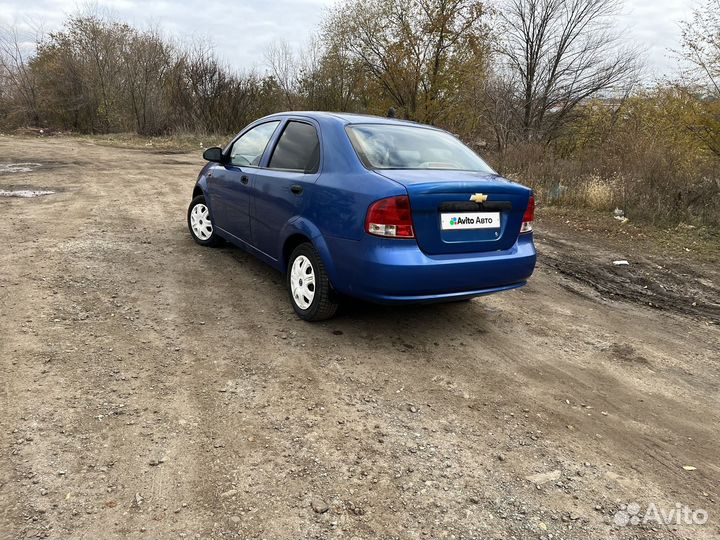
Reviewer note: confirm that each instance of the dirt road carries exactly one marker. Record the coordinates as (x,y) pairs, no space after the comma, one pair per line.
(152,388)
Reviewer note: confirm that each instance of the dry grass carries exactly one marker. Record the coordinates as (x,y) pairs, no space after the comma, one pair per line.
(690,243)
(599,194)
(651,184)
(181,142)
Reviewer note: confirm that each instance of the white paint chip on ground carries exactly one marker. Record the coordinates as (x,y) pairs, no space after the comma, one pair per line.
(25,193)
(9,168)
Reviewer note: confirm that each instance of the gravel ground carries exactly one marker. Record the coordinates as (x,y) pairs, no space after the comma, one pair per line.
(151,388)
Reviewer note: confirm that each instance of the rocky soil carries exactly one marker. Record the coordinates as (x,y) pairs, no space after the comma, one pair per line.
(151,388)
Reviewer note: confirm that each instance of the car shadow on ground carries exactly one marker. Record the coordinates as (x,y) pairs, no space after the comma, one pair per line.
(352,310)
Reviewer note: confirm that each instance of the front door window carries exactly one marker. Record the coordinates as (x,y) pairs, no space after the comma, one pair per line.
(249,148)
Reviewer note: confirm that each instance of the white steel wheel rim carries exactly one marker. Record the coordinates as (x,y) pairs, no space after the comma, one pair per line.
(302,282)
(200,221)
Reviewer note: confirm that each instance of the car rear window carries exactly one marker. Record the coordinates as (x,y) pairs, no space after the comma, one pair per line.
(390,146)
(298,149)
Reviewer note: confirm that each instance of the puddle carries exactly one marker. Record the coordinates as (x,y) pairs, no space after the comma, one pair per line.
(11,168)
(25,193)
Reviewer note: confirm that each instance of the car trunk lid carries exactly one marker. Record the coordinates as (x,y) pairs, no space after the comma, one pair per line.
(448,220)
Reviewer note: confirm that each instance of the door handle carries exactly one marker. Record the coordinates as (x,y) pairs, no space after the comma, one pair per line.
(296,189)
(244,179)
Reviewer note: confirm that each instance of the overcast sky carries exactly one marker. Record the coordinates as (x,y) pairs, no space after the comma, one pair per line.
(242,29)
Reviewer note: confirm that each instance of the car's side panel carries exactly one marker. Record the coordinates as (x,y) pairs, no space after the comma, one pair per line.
(231,187)
(304,227)
(202,180)
(219,183)
(345,188)
(280,196)
(274,205)
(202,185)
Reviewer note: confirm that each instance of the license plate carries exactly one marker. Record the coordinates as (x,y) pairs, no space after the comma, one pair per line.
(470,220)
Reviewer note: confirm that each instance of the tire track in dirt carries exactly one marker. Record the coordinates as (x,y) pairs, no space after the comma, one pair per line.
(674,287)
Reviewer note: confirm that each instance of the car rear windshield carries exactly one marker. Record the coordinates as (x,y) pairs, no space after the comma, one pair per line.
(389,146)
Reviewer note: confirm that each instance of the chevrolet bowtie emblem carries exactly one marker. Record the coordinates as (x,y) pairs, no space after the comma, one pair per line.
(478,198)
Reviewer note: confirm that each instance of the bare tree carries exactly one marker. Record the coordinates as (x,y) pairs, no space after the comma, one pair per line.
(206,96)
(559,53)
(497,105)
(283,67)
(330,78)
(20,82)
(147,59)
(701,44)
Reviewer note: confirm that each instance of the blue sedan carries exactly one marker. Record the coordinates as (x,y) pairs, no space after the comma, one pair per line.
(374,208)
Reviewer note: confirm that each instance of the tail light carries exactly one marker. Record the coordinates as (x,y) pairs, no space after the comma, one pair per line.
(529,217)
(391,218)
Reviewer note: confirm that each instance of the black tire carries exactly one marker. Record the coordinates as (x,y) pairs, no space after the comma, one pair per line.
(324,303)
(211,241)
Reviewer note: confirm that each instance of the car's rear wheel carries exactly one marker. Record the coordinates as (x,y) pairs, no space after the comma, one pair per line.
(200,224)
(310,291)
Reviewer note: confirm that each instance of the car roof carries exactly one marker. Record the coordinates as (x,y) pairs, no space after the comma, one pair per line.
(349,118)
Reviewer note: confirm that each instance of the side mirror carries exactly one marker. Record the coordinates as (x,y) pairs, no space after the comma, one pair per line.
(213,153)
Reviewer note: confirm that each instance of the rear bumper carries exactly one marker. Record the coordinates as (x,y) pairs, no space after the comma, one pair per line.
(397,271)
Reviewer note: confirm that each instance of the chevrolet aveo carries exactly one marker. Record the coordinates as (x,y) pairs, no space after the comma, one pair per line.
(379,209)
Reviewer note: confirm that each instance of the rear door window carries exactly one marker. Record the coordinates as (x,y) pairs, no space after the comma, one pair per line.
(298,149)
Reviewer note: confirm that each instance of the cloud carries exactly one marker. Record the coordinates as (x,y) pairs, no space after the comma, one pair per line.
(654,26)
(241,31)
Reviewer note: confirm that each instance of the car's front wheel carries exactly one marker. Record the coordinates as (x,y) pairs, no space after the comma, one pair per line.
(310,291)
(200,224)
